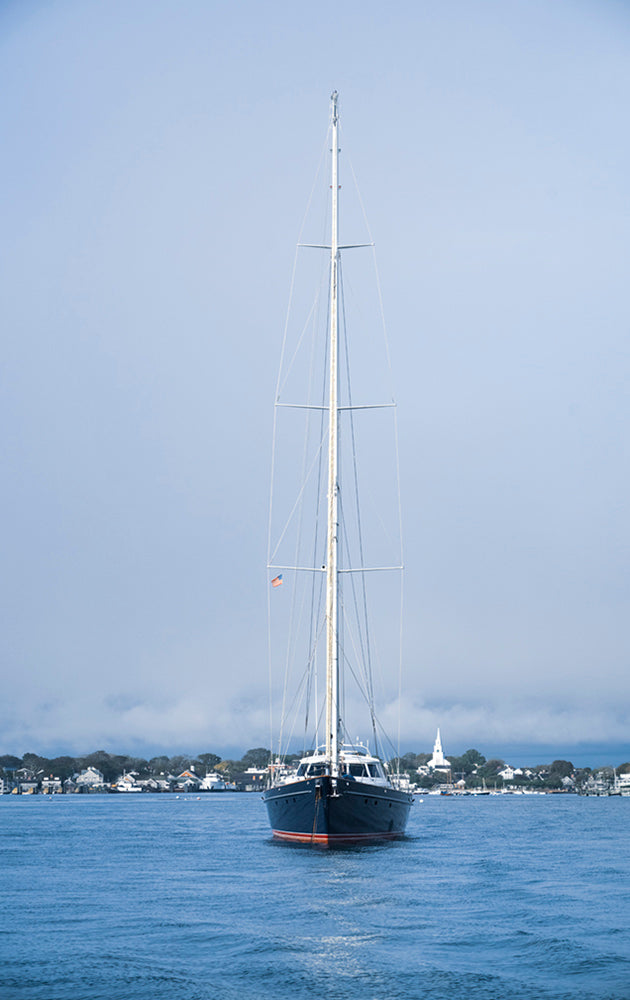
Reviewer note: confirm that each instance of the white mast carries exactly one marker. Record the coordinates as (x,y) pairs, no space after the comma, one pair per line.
(332,578)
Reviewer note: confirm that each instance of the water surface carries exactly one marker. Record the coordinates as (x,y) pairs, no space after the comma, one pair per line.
(158,897)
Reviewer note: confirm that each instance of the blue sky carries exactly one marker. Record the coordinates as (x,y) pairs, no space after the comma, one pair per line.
(157,161)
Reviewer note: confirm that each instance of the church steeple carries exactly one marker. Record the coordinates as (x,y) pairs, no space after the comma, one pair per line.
(438,760)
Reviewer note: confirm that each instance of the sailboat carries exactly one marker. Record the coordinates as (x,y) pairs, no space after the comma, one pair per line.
(341,792)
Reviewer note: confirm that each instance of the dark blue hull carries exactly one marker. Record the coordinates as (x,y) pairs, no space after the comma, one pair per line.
(328,811)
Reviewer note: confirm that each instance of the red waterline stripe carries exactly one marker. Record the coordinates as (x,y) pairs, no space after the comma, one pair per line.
(336,838)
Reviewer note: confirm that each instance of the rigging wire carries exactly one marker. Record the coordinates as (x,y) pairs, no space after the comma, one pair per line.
(318,172)
(294,618)
(317,609)
(297,502)
(368,655)
(396,437)
(361,618)
(296,697)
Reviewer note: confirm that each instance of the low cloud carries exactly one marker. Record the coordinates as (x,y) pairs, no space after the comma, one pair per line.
(475,724)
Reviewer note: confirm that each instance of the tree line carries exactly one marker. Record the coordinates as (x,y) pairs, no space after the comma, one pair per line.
(471,766)
(112,766)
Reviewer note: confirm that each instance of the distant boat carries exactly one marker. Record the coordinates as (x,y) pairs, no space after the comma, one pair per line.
(127,783)
(480,791)
(213,782)
(340,793)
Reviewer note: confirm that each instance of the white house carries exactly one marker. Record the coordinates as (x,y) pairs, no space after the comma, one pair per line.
(91,777)
(508,773)
(51,785)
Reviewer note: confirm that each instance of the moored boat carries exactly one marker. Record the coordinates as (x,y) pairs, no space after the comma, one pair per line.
(340,793)
(358,804)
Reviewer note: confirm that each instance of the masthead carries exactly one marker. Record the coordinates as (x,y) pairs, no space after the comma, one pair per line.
(334,97)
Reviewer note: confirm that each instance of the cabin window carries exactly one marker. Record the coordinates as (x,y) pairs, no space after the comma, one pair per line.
(316,769)
(358,771)
(375,770)
(301,770)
